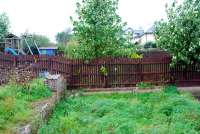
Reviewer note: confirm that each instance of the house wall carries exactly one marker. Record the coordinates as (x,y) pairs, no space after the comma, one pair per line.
(137,40)
(147,38)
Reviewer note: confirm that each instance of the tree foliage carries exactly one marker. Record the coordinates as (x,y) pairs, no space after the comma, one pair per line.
(64,36)
(41,40)
(99,30)
(31,39)
(4,25)
(69,49)
(180,33)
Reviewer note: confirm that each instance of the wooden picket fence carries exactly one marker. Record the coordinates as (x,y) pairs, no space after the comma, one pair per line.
(111,72)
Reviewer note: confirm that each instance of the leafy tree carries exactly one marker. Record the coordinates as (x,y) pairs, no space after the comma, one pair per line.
(4,25)
(99,30)
(64,36)
(70,48)
(180,33)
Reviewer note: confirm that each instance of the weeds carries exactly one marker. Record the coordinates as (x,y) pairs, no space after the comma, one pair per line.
(15,103)
(34,90)
(167,111)
(143,85)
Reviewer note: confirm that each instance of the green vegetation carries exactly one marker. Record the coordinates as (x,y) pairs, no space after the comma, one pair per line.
(41,40)
(150,45)
(64,37)
(15,103)
(34,90)
(180,33)
(4,25)
(164,112)
(136,56)
(32,38)
(99,30)
(104,71)
(69,49)
(143,85)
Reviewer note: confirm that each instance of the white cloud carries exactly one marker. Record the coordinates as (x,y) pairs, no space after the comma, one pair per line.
(47,17)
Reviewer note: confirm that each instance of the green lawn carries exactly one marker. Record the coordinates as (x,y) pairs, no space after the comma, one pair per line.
(15,103)
(165,112)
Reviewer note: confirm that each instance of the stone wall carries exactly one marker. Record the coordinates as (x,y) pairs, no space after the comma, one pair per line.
(18,74)
(5,74)
(43,108)
(58,84)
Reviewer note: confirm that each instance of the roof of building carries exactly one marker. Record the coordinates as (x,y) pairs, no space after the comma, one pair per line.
(151,30)
(138,33)
(129,30)
(10,35)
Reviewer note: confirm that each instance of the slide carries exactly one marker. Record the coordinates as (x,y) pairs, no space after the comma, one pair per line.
(10,51)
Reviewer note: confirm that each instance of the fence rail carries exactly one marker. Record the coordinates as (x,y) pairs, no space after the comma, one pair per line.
(110,72)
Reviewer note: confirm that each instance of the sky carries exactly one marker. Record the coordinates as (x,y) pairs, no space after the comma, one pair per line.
(48,17)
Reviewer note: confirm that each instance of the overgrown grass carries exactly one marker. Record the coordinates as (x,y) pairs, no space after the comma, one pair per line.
(165,112)
(15,100)
(143,85)
(34,90)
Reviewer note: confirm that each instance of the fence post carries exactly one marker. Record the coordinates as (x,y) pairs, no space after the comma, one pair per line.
(172,75)
(50,62)
(15,61)
(70,74)
(140,70)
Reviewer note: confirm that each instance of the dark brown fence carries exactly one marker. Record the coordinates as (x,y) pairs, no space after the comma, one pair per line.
(111,72)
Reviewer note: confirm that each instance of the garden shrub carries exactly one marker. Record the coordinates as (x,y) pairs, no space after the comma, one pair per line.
(136,56)
(104,71)
(70,49)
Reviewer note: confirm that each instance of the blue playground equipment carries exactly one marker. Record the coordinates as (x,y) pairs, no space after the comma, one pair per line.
(15,46)
(10,51)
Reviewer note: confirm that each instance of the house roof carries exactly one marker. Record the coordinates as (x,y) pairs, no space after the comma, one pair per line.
(138,33)
(52,47)
(129,30)
(10,35)
(151,30)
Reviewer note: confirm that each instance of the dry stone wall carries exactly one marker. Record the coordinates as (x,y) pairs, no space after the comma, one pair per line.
(43,108)
(18,74)
(5,74)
